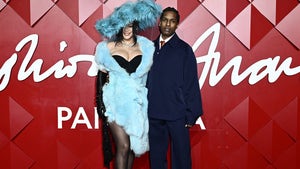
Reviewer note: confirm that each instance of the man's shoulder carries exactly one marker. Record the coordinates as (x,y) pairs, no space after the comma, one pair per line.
(182,43)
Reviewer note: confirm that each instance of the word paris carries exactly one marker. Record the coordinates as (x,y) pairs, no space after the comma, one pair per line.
(269,67)
(65,115)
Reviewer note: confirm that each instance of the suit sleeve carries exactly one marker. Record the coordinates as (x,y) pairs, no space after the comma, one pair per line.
(192,93)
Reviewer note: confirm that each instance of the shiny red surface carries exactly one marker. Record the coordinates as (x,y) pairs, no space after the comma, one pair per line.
(248,124)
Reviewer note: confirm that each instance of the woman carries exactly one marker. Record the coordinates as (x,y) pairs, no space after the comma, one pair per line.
(127,58)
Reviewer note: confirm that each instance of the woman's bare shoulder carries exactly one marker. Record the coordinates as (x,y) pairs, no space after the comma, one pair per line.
(110,45)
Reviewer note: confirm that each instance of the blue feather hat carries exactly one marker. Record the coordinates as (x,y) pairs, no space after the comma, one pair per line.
(146,12)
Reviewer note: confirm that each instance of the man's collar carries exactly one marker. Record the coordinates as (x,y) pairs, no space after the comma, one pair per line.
(166,40)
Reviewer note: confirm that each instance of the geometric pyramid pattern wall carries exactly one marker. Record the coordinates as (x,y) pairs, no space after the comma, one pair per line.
(247,125)
(250,21)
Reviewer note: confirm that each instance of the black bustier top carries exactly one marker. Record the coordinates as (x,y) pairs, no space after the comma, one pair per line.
(129,66)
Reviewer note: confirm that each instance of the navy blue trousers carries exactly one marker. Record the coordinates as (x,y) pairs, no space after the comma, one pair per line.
(161,134)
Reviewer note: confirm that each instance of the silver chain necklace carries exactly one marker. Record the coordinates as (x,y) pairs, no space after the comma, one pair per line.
(127,44)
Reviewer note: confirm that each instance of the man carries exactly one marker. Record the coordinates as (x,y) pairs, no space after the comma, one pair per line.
(173,94)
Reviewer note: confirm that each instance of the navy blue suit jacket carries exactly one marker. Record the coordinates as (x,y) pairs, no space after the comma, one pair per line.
(173,88)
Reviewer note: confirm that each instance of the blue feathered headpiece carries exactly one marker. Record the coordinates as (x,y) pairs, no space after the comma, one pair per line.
(146,12)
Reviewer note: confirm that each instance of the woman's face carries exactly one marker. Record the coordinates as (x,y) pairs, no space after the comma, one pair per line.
(128,31)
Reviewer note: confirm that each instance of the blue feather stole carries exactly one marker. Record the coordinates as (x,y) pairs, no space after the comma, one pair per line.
(125,96)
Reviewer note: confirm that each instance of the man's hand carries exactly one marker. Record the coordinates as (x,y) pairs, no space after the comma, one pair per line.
(188,126)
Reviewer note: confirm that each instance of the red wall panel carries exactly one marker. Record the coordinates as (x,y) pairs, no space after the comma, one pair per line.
(248,66)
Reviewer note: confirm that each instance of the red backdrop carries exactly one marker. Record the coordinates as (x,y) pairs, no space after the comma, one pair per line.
(248,62)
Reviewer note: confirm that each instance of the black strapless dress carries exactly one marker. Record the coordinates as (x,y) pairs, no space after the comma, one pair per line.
(129,66)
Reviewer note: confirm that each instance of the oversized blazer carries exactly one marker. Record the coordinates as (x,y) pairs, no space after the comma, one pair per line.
(173,88)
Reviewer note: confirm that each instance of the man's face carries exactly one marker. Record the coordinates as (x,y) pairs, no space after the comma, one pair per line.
(168,24)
